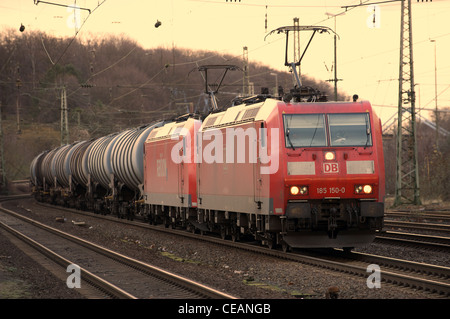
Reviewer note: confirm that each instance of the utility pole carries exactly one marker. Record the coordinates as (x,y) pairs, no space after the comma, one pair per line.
(407,183)
(2,156)
(246,79)
(335,80)
(18,85)
(335,62)
(64,118)
(435,97)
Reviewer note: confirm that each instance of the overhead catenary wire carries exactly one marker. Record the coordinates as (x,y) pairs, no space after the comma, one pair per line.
(76,33)
(267,44)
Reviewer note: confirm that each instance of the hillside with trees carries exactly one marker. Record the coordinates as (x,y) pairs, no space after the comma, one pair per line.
(113,84)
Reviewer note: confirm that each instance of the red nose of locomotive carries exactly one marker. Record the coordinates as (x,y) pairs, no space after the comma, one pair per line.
(333,180)
(332,174)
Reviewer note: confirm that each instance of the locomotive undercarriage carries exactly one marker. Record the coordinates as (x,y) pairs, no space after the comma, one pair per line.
(306,224)
(317,223)
(332,222)
(333,215)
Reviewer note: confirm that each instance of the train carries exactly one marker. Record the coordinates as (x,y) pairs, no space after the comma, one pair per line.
(292,171)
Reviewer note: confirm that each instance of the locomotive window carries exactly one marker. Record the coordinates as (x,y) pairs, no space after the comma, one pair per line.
(304,130)
(350,129)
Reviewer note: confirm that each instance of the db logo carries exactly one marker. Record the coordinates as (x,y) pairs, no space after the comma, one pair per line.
(330,168)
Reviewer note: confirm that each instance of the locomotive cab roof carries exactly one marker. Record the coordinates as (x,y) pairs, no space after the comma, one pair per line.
(260,111)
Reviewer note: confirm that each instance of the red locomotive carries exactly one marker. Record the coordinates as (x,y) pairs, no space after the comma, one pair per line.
(296,174)
(170,188)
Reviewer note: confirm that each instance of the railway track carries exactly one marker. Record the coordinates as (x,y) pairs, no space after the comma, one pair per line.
(428,214)
(430,229)
(423,220)
(444,228)
(434,279)
(431,278)
(416,240)
(118,276)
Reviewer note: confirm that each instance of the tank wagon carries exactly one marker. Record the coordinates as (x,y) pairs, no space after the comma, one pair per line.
(104,175)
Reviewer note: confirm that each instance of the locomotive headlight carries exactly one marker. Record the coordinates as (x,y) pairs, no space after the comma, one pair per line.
(302,190)
(294,190)
(367,189)
(329,156)
(363,189)
(358,189)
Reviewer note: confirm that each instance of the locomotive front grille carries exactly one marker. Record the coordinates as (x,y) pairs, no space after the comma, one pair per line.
(330,209)
(329,215)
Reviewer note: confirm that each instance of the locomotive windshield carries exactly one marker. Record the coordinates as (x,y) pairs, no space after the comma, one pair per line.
(312,130)
(350,129)
(304,130)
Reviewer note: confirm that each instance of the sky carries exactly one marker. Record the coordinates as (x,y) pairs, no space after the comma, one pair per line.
(367,51)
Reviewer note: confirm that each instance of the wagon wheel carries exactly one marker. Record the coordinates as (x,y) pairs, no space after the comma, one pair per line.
(223,232)
(348,250)
(285,247)
(271,241)
(235,235)
(166,222)
(190,228)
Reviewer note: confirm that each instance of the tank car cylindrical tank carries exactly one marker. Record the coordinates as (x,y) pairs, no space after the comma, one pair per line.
(60,167)
(46,167)
(78,163)
(36,170)
(127,156)
(99,160)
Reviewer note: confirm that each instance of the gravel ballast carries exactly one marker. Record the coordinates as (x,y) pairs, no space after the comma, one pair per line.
(236,272)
